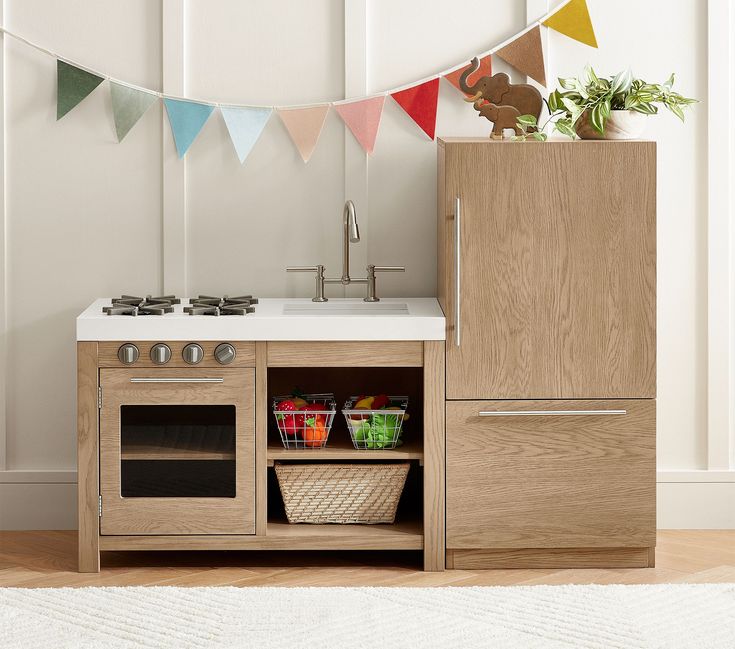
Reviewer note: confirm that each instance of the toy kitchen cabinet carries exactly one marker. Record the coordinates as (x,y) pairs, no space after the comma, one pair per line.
(547,278)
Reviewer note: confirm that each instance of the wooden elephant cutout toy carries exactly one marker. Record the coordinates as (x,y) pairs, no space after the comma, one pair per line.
(498,90)
(502,117)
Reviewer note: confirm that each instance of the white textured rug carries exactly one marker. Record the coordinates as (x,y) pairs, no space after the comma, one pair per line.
(548,617)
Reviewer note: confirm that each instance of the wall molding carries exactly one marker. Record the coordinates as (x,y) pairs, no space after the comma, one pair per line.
(4,260)
(173,179)
(720,284)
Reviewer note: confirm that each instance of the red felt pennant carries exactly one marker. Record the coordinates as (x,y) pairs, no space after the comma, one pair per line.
(485,70)
(420,104)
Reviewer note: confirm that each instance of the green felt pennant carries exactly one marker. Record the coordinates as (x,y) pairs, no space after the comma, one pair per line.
(128,106)
(74,85)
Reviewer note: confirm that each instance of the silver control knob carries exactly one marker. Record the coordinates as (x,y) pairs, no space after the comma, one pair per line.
(160,354)
(224,353)
(193,354)
(128,353)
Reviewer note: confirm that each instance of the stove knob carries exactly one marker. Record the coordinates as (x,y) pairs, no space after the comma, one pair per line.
(193,354)
(160,354)
(224,353)
(128,354)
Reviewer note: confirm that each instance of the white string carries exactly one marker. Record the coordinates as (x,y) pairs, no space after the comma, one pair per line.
(383,93)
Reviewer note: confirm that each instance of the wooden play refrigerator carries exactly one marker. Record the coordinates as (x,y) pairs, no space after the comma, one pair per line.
(547,277)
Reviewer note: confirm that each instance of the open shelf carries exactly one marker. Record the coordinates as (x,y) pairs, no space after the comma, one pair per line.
(342,449)
(404,535)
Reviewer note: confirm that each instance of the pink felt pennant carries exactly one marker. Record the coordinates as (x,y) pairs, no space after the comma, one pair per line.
(304,125)
(363,119)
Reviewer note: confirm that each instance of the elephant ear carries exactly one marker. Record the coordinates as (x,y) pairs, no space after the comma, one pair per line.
(502,81)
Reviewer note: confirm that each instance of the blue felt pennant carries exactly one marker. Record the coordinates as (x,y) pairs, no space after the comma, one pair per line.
(245,125)
(186,118)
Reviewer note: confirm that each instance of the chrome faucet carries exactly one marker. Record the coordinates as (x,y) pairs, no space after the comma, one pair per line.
(350,234)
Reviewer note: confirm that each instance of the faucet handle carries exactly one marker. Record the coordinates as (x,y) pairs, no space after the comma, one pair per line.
(319,270)
(388,269)
(371,270)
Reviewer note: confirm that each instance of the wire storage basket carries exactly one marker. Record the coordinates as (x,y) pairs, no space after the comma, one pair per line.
(376,429)
(366,493)
(305,428)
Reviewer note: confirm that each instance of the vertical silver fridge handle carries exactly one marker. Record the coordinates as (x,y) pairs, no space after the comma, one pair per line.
(457,271)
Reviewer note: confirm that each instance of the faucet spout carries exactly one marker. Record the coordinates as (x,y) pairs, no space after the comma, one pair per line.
(350,234)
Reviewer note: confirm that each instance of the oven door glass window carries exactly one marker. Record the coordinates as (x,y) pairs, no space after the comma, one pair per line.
(177,451)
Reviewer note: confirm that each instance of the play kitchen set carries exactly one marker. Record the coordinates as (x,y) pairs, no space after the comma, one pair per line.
(508,423)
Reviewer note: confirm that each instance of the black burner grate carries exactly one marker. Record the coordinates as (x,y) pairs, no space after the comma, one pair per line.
(134,306)
(216,306)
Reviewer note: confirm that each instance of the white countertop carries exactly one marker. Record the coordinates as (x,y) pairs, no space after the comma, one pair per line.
(276,319)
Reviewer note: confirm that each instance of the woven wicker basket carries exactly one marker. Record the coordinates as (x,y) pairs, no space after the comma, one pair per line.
(341,493)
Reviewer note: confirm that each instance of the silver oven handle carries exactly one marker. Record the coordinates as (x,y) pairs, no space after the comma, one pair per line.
(543,413)
(177,380)
(457,270)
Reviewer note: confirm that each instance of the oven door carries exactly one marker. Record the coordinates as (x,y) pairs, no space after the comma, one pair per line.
(177,451)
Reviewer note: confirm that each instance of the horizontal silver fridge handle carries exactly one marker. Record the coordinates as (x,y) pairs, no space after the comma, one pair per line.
(544,413)
(177,380)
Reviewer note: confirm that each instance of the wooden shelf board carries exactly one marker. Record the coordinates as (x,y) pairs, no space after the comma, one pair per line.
(280,535)
(341,449)
(145,452)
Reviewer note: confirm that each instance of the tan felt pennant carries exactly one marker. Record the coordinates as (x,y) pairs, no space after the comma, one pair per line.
(526,55)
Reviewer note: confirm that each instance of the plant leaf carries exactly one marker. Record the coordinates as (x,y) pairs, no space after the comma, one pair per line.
(674,108)
(540,137)
(574,110)
(565,127)
(621,82)
(527,120)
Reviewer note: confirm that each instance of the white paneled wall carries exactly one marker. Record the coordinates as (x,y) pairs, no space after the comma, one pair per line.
(84,215)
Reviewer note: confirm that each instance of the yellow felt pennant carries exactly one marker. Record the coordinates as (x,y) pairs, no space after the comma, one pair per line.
(573,20)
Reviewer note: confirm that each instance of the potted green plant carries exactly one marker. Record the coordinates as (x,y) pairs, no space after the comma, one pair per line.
(611,108)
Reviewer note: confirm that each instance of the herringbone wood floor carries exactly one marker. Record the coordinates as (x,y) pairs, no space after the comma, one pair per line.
(48,559)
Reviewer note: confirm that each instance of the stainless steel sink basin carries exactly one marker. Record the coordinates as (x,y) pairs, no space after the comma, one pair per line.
(334,308)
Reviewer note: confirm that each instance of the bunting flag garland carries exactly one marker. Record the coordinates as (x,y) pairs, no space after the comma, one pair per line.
(363,119)
(128,106)
(245,126)
(485,70)
(186,118)
(526,55)
(73,85)
(420,103)
(573,20)
(304,125)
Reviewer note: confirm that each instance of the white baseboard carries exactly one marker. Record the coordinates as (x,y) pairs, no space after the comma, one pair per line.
(46,500)
(38,506)
(696,505)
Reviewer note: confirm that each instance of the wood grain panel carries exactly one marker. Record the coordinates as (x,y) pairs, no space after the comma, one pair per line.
(534,558)
(245,354)
(346,354)
(283,536)
(442,257)
(434,456)
(261,437)
(344,449)
(551,481)
(558,279)
(87,458)
(178,515)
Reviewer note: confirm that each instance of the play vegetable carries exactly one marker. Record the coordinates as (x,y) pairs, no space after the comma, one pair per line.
(288,422)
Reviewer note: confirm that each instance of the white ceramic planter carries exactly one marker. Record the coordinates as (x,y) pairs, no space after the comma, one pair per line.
(621,125)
